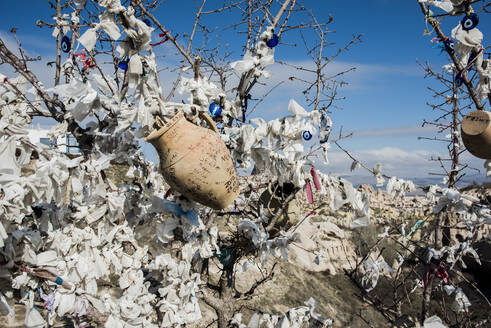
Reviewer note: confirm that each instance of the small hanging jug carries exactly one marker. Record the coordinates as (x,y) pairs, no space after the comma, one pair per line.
(476,133)
(195,161)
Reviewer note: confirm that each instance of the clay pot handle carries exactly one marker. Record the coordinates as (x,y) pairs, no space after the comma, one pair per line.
(159,121)
(209,120)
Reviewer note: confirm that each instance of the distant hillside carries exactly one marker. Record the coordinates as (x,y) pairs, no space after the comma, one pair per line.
(477,178)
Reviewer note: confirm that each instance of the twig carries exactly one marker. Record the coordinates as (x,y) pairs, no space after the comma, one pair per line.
(168,34)
(258,283)
(58,44)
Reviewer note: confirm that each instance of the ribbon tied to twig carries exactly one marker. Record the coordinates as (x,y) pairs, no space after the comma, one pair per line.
(439,271)
(317,184)
(88,62)
(165,37)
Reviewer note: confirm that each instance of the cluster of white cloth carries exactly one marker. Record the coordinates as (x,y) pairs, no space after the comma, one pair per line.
(294,318)
(372,269)
(467,206)
(450,6)
(397,187)
(256,62)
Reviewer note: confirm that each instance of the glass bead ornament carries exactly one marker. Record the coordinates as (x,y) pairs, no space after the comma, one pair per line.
(215,109)
(459,80)
(123,64)
(65,44)
(449,43)
(273,42)
(469,21)
(148,22)
(306,135)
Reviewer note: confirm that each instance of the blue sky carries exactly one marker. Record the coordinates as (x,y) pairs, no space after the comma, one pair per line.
(385,100)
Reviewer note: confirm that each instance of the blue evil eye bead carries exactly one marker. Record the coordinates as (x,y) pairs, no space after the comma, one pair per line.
(148,22)
(469,21)
(58,280)
(273,42)
(215,109)
(65,44)
(123,64)
(306,135)
(459,80)
(449,43)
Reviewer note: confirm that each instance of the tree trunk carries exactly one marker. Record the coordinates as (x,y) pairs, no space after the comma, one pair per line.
(425,306)
(438,230)
(454,152)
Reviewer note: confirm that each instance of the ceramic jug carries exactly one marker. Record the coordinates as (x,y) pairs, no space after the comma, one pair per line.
(476,133)
(195,161)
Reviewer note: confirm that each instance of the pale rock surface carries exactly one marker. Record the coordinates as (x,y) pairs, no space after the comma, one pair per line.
(324,247)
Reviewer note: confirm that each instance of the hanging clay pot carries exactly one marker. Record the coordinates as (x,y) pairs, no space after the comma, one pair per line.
(476,133)
(195,161)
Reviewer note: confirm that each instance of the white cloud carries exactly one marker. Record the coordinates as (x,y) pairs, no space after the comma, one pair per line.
(395,162)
